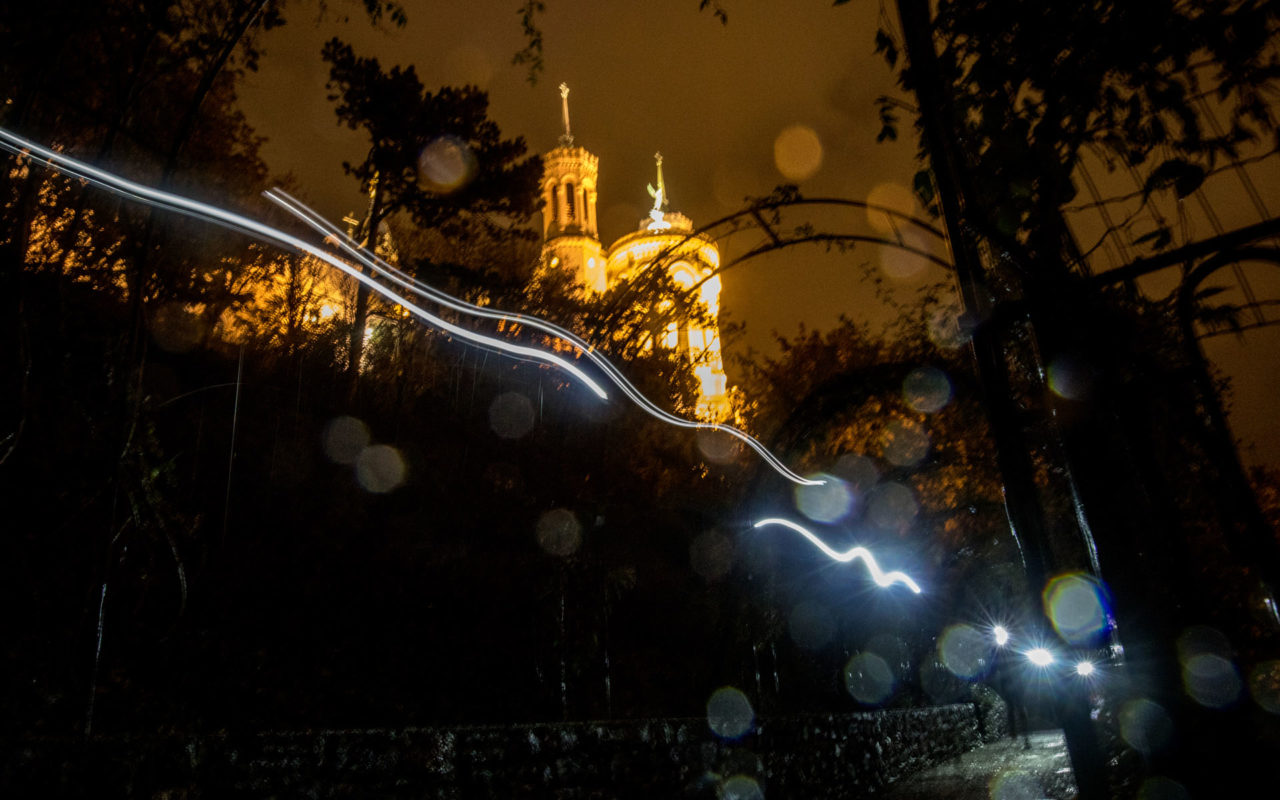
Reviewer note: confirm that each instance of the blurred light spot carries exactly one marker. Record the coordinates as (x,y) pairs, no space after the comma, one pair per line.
(811,625)
(1162,788)
(1145,726)
(892,649)
(729,713)
(905,443)
(717,447)
(903,265)
(504,477)
(1210,680)
(175,328)
(927,390)
(1076,605)
(868,679)
(559,532)
(711,554)
(894,196)
(797,152)
(946,328)
(964,651)
(1208,674)
(380,469)
(1264,685)
(1039,656)
(741,787)
(446,164)
(891,506)
(858,472)
(1070,376)
(344,439)
(1015,785)
(511,415)
(1085,668)
(827,502)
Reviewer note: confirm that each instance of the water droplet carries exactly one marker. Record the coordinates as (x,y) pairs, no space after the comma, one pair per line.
(344,439)
(741,787)
(711,555)
(729,713)
(927,390)
(380,469)
(905,443)
(826,503)
(559,532)
(811,625)
(718,447)
(1145,726)
(868,679)
(894,196)
(797,152)
(1070,376)
(947,329)
(511,415)
(446,164)
(1077,606)
(964,651)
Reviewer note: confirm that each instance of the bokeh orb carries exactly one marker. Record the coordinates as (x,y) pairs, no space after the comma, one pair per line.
(1145,726)
(858,472)
(344,439)
(741,787)
(717,446)
(1070,376)
(946,328)
(1159,787)
(1209,676)
(380,469)
(511,415)
(729,713)
(868,679)
(891,506)
(927,390)
(797,152)
(965,651)
(811,625)
(905,443)
(711,554)
(828,502)
(446,164)
(559,532)
(1015,785)
(1078,607)
(894,197)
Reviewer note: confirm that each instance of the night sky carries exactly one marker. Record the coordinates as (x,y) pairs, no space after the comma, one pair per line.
(716,100)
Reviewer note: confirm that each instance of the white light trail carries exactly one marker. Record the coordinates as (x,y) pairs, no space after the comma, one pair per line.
(884,579)
(407,282)
(184,205)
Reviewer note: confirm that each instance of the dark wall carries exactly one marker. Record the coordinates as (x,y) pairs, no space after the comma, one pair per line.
(814,756)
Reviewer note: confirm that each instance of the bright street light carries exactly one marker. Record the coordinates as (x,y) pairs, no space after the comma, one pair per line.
(1002,635)
(1040,657)
(1084,668)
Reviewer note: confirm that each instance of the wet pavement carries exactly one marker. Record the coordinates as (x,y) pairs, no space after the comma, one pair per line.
(1002,770)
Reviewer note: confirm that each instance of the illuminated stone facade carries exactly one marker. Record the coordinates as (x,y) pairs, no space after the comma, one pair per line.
(571,242)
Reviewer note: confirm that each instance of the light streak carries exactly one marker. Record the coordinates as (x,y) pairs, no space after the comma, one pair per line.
(126,188)
(229,219)
(407,282)
(884,579)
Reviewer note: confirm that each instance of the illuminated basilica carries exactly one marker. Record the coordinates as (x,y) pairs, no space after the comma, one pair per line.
(571,242)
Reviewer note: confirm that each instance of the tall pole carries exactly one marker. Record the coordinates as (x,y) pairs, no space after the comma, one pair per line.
(566,139)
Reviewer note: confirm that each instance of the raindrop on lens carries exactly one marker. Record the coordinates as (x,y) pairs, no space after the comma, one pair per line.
(717,447)
(797,152)
(344,439)
(559,532)
(511,415)
(446,164)
(811,625)
(711,555)
(825,503)
(1145,726)
(1070,376)
(380,469)
(891,506)
(927,389)
(946,329)
(741,787)
(906,444)
(1076,605)
(964,651)
(868,679)
(729,713)
(1208,674)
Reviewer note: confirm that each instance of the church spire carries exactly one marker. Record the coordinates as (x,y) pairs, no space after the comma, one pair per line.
(659,195)
(566,138)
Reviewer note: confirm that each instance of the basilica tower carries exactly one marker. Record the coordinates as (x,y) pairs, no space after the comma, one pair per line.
(571,240)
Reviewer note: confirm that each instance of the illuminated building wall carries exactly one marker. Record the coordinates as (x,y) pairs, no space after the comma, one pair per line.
(571,242)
